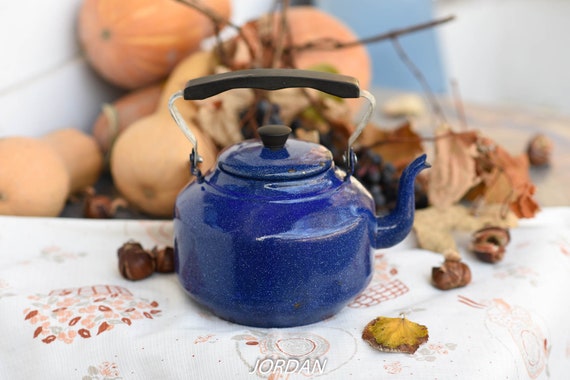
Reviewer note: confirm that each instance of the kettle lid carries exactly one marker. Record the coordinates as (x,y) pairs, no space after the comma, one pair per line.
(275,157)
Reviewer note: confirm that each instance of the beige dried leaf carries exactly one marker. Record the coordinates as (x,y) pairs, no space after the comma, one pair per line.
(291,101)
(453,170)
(398,146)
(307,135)
(434,227)
(218,115)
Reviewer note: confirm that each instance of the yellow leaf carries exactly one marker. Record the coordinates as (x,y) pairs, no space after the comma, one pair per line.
(395,334)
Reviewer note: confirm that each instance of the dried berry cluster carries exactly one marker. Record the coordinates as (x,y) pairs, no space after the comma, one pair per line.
(136,263)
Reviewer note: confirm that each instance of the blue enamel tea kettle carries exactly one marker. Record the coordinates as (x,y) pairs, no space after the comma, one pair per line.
(275,235)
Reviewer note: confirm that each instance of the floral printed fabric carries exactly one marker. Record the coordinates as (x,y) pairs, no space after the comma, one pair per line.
(87,311)
(67,313)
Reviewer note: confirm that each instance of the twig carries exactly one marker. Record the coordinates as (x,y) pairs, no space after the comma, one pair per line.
(218,22)
(208,12)
(331,44)
(282,34)
(403,140)
(420,77)
(458,104)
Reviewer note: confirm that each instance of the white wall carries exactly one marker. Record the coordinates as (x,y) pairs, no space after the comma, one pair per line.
(45,83)
(512,52)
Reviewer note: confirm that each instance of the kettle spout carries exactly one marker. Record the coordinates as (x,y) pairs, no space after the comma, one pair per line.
(394,227)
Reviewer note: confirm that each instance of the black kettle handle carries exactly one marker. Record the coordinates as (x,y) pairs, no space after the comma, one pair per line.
(272,79)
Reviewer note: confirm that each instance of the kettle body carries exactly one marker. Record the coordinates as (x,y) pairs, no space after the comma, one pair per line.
(276,235)
(273,253)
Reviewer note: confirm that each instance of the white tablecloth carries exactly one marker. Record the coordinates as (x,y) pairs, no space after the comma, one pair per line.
(66,313)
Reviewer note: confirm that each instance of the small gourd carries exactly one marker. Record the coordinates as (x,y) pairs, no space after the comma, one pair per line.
(149,161)
(34,180)
(115,117)
(81,155)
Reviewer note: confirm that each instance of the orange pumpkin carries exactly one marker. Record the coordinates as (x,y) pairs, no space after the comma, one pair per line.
(308,24)
(133,43)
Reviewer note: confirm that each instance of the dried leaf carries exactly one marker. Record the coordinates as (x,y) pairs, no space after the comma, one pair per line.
(525,206)
(307,135)
(453,170)
(395,334)
(506,179)
(291,101)
(399,146)
(218,115)
(434,226)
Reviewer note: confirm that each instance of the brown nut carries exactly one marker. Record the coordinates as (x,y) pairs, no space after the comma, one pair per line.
(98,207)
(539,150)
(164,259)
(134,262)
(452,274)
(489,243)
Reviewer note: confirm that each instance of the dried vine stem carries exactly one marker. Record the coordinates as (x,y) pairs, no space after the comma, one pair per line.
(436,108)
(405,140)
(218,22)
(459,108)
(331,44)
(284,33)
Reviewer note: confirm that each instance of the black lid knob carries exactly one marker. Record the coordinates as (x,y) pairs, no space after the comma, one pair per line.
(274,137)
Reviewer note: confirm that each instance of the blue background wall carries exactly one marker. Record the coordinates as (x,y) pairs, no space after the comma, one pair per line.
(371,17)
